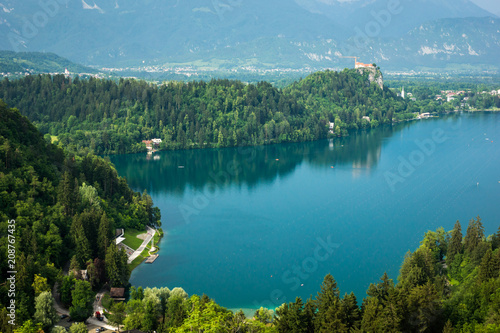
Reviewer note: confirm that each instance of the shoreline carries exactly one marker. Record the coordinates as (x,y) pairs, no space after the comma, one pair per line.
(136,263)
(289,142)
(488,110)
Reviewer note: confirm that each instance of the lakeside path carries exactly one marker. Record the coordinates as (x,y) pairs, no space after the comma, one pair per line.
(151,233)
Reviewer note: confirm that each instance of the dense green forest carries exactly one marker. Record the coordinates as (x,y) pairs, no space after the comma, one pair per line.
(114,117)
(60,206)
(56,206)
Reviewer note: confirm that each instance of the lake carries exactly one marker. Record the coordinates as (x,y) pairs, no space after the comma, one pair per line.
(258,226)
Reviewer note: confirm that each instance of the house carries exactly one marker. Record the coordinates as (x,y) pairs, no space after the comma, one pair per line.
(366,118)
(117,294)
(331,127)
(148,143)
(450,96)
(119,236)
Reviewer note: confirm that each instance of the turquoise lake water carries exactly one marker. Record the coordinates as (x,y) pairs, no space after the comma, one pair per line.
(257,226)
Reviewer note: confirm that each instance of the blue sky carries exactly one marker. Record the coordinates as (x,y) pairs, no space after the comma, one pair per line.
(491,5)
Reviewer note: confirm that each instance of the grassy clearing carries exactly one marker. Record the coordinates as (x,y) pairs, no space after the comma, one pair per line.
(131,239)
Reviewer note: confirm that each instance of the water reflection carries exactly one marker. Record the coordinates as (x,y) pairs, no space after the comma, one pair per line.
(173,171)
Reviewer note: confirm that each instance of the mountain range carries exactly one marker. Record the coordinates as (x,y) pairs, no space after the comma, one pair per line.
(396,34)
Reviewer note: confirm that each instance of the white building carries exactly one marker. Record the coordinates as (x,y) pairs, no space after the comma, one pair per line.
(156,141)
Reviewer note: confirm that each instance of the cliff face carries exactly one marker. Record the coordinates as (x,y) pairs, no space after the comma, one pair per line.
(374,75)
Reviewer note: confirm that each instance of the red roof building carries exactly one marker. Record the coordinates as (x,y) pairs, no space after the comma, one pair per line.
(361,65)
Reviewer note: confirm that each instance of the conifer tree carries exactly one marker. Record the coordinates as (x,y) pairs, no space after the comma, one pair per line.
(350,313)
(382,289)
(67,193)
(489,267)
(495,240)
(82,245)
(328,316)
(103,236)
(455,246)
(474,235)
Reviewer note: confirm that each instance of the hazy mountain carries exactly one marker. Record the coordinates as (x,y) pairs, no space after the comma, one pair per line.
(223,32)
(404,14)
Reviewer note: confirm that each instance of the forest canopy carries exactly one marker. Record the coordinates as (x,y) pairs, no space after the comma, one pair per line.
(111,117)
(58,206)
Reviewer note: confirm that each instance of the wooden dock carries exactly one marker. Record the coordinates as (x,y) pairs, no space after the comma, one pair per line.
(151,259)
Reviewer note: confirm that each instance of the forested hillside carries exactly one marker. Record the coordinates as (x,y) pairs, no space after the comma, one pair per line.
(59,206)
(114,117)
(56,206)
(449,284)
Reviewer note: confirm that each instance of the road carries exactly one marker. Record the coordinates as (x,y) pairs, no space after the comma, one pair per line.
(91,320)
(97,302)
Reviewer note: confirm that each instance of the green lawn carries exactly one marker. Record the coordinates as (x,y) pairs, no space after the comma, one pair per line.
(131,234)
(131,239)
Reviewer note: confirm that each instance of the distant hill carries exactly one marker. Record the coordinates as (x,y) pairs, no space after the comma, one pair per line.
(38,62)
(259,33)
(198,114)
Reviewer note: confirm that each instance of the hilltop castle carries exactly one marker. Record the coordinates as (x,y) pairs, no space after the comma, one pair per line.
(361,65)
